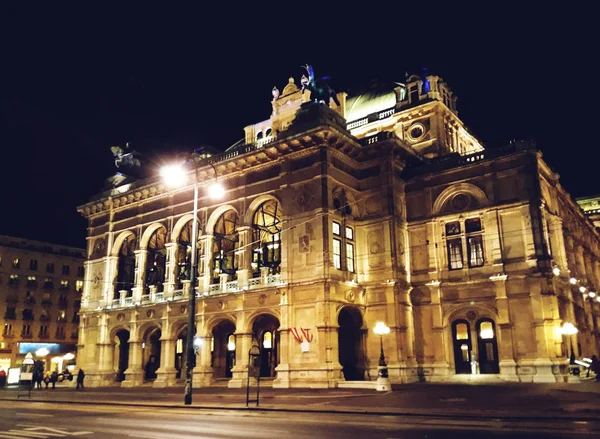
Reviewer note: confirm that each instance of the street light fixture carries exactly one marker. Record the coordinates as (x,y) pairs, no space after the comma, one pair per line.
(383,381)
(176,176)
(570,330)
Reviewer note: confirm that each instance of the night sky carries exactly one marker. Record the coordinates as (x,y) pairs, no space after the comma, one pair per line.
(77,80)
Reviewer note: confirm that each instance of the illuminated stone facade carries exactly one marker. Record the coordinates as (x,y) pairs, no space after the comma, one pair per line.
(382,209)
(41,287)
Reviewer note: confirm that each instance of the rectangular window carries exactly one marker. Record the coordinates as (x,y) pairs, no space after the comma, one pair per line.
(16,263)
(64,283)
(350,257)
(33,264)
(8,329)
(475,249)
(473,225)
(337,254)
(336,228)
(66,269)
(26,329)
(453,228)
(80,271)
(13,279)
(50,267)
(79,286)
(455,260)
(349,233)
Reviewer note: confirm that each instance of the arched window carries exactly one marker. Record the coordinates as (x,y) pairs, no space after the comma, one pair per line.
(126,266)
(184,254)
(225,244)
(266,238)
(156,260)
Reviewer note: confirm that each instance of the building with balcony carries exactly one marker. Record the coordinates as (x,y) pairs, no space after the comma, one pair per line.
(382,208)
(40,297)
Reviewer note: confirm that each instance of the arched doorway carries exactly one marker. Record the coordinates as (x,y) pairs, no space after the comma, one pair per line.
(156,260)
(181,351)
(121,353)
(151,353)
(487,346)
(126,266)
(351,344)
(265,332)
(461,340)
(266,238)
(223,348)
(225,244)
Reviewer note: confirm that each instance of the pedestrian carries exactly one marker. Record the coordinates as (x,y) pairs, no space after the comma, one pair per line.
(2,377)
(595,367)
(80,377)
(54,379)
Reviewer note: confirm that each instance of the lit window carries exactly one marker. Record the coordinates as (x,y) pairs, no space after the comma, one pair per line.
(462,331)
(231,343)
(350,257)
(337,254)
(179,346)
(452,228)
(349,233)
(16,263)
(486,330)
(455,261)
(64,283)
(475,249)
(78,285)
(336,228)
(267,340)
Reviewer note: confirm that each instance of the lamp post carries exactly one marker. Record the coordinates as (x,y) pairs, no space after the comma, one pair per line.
(175,176)
(570,330)
(383,381)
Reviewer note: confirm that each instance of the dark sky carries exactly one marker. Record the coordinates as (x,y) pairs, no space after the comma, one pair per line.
(77,79)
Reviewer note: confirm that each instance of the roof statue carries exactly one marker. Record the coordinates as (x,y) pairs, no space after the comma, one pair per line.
(125,158)
(276,93)
(321,92)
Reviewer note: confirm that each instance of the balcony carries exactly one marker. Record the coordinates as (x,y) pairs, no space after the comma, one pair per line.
(60,336)
(32,283)
(8,335)
(43,336)
(25,335)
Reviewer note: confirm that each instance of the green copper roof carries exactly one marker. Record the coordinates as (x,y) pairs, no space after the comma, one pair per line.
(370,102)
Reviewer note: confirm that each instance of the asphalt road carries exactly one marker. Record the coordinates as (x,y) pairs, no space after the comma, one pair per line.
(45,420)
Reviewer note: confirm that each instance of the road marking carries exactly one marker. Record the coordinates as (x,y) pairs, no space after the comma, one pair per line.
(37,415)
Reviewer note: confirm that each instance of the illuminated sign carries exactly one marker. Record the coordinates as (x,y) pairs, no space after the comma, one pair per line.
(13,375)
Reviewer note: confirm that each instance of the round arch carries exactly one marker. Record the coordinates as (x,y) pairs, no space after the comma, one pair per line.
(216,214)
(359,309)
(348,196)
(119,241)
(148,233)
(179,225)
(449,192)
(255,204)
(459,311)
(114,331)
(252,318)
(215,320)
(177,327)
(145,329)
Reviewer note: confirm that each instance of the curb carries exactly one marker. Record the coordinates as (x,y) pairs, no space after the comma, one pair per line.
(589,416)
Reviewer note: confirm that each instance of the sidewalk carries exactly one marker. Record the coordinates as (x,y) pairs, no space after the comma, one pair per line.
(506,400)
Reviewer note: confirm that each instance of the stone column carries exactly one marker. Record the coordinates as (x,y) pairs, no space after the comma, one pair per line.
(243,344)
(504,338)
(204,269)
(244,256)
(112,292)
(134,375)
(166,374)
(441,366)
(140,274)
(203,372)
(171,270)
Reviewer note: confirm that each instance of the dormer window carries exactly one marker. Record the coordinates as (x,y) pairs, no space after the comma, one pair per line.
(259,135)
(413,92)
(268,132)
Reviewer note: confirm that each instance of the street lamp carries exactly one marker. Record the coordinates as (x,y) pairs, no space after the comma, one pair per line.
(383,381)
(570,330)
(176,176)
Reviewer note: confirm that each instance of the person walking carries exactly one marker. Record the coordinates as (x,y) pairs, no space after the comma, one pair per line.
(54,379)
(80,377)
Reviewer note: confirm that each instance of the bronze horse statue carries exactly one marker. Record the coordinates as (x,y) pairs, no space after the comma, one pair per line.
(318,93)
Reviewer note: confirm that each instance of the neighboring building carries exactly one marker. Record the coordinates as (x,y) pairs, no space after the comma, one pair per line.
(40,291)
(383,208)
(591,208)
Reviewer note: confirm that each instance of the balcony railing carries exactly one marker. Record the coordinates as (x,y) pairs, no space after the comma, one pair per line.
(181,295)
